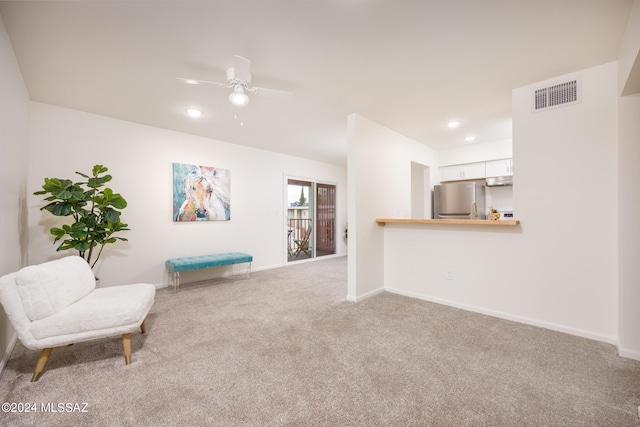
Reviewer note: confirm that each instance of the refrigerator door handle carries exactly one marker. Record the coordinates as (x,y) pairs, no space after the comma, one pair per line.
(452,216)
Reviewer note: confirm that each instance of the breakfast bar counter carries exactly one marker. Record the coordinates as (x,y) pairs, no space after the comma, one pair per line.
(504,222)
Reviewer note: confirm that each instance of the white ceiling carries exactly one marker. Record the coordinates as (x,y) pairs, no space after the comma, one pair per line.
(409,65)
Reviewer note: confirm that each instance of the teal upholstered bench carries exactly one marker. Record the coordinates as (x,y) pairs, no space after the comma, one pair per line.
(175,265)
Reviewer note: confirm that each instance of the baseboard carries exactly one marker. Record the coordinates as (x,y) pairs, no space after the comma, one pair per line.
(305,260)
(520,319)
(629,354)
(7,353)
(365,296)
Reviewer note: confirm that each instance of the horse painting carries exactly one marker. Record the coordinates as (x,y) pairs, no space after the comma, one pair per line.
(202,193)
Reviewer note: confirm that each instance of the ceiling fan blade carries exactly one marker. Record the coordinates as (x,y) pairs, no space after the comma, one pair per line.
(273,93)
(241,68)
(200,82)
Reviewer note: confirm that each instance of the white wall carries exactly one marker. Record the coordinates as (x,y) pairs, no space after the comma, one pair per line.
(559,268)
(379,168)
(629,227)
(629,194)
(14,119)
(140,160)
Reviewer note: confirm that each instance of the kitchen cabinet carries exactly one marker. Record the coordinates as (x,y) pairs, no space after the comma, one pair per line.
(462,172)
(503,167)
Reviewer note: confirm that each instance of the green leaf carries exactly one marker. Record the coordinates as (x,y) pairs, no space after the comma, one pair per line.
(98,169)
(111,215)
(117,201)
(59,208)
(58,232)
(81,246)
(97,182)
(65,246)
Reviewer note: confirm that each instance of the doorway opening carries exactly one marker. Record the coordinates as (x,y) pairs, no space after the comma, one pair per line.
(420,191)
(311,219)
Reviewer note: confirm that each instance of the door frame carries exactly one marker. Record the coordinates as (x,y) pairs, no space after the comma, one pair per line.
(313,214)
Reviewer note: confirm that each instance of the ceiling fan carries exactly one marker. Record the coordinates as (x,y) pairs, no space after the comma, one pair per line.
(239,79)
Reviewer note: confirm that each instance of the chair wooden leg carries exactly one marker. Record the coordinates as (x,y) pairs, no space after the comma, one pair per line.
(42,360)
(143,326)
(126,346)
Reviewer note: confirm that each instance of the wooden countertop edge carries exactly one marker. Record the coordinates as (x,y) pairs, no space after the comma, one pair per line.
(504,222)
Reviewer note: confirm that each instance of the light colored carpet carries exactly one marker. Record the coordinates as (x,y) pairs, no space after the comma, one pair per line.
(285,348)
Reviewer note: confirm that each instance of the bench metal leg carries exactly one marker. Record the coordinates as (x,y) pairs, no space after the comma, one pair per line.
(174,279)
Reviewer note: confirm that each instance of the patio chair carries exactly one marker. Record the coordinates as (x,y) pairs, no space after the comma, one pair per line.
(302,245)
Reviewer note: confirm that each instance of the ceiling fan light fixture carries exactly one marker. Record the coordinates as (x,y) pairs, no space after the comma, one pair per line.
(238,98)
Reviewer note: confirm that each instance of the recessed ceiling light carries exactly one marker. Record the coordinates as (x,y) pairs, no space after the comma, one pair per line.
(470,138)
(453,124)
(193,112)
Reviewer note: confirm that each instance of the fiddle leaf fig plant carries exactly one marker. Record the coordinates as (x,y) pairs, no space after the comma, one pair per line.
(95,211)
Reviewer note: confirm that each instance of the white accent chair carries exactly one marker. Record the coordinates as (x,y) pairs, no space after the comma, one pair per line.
(57,303)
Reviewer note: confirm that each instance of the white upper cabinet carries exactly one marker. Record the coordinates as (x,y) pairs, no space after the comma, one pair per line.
(480,170)
(502,167)
(462,172)
(450,173)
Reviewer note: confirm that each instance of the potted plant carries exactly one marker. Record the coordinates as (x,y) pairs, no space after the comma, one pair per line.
(494,215)
(95,211)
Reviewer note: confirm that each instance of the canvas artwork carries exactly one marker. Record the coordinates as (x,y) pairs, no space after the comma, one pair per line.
(200,193)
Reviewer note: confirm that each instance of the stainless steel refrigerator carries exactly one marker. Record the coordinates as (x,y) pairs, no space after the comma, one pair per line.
(465,199)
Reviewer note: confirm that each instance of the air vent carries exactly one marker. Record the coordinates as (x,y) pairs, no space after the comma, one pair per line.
(558,95)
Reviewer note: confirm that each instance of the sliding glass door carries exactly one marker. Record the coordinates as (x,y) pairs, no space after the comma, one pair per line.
(325,219)
(311,219)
